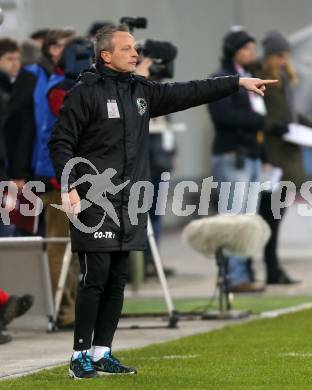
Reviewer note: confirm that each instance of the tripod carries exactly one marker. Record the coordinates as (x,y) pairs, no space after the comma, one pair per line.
(173,317)
(223,282)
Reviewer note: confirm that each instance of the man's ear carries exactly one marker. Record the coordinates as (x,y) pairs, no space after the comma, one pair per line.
(106,56)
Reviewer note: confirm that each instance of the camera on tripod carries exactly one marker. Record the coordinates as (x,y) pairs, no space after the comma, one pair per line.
(77,56)
(134,22)
(162,53)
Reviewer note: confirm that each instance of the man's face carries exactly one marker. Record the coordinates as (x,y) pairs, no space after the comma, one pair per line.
(246,55)
(124,56)
(10,63)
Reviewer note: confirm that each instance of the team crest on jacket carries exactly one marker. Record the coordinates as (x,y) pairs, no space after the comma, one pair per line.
(142,105)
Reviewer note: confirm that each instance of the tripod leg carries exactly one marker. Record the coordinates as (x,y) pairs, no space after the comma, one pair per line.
(227,284)
(62,279)
(221,281)
(223,272)
(49,294)
(160,272)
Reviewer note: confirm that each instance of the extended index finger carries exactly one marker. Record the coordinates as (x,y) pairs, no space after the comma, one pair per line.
(269,81)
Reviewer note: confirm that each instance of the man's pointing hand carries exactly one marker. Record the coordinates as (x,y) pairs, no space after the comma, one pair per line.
(256,85)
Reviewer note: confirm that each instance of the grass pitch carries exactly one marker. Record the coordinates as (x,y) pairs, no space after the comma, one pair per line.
(270,354)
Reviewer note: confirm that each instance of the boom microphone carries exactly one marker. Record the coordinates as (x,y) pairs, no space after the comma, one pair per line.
(240,235)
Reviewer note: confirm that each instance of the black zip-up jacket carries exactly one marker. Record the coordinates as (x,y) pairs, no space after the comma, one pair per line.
(237,126)
(84,129)
(19,126)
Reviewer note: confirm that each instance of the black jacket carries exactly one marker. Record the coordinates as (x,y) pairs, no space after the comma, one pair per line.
(84,129)
(5,92)
(236,124)
(19,124)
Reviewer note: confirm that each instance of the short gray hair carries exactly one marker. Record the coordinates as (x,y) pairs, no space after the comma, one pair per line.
(103,39)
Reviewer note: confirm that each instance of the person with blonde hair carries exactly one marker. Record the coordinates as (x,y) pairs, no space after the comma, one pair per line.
(280,153)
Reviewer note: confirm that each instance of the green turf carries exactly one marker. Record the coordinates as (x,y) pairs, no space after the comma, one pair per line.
(273,354)
(256,303)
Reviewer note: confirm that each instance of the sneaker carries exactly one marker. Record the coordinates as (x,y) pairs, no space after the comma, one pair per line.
(82,367)
(110,365)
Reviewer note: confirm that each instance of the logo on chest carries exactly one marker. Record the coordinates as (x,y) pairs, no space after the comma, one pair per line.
(141,105)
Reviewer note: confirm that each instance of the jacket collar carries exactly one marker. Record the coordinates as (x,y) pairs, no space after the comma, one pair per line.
(104,71)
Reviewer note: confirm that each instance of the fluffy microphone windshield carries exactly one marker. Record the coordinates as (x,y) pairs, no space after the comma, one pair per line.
(240,235)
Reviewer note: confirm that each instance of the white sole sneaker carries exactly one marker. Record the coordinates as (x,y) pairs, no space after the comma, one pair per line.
(101,373)
(72,375)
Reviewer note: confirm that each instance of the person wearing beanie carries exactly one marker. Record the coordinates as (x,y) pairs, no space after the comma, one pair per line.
(275,43)
(237,147)
(280,113)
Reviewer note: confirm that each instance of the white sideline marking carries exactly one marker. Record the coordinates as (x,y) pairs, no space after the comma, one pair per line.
(286,310)
(31,371)
(31,360)
(297,354)
(169,357)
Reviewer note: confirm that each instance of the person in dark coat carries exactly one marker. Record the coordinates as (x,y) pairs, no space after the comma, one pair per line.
(238,142)
(17,117)
(105,121)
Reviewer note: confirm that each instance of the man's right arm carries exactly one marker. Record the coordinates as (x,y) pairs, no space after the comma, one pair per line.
(167,98)
(73,118)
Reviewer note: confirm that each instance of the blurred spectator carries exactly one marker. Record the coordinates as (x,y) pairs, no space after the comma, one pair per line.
(280,112)
(18,126)
(238,122)
(52,49)
(39,36)
(56,221)
(12,307)
(30,52)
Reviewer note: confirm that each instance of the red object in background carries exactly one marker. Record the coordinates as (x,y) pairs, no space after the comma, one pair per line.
(27,223)
(4,296)
(56,99)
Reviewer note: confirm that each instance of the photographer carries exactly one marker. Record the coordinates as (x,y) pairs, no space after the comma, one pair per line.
(155,62)
(105,119)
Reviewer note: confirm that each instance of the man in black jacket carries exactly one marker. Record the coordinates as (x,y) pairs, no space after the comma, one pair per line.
(105,119)
(237,146)
(17,118)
